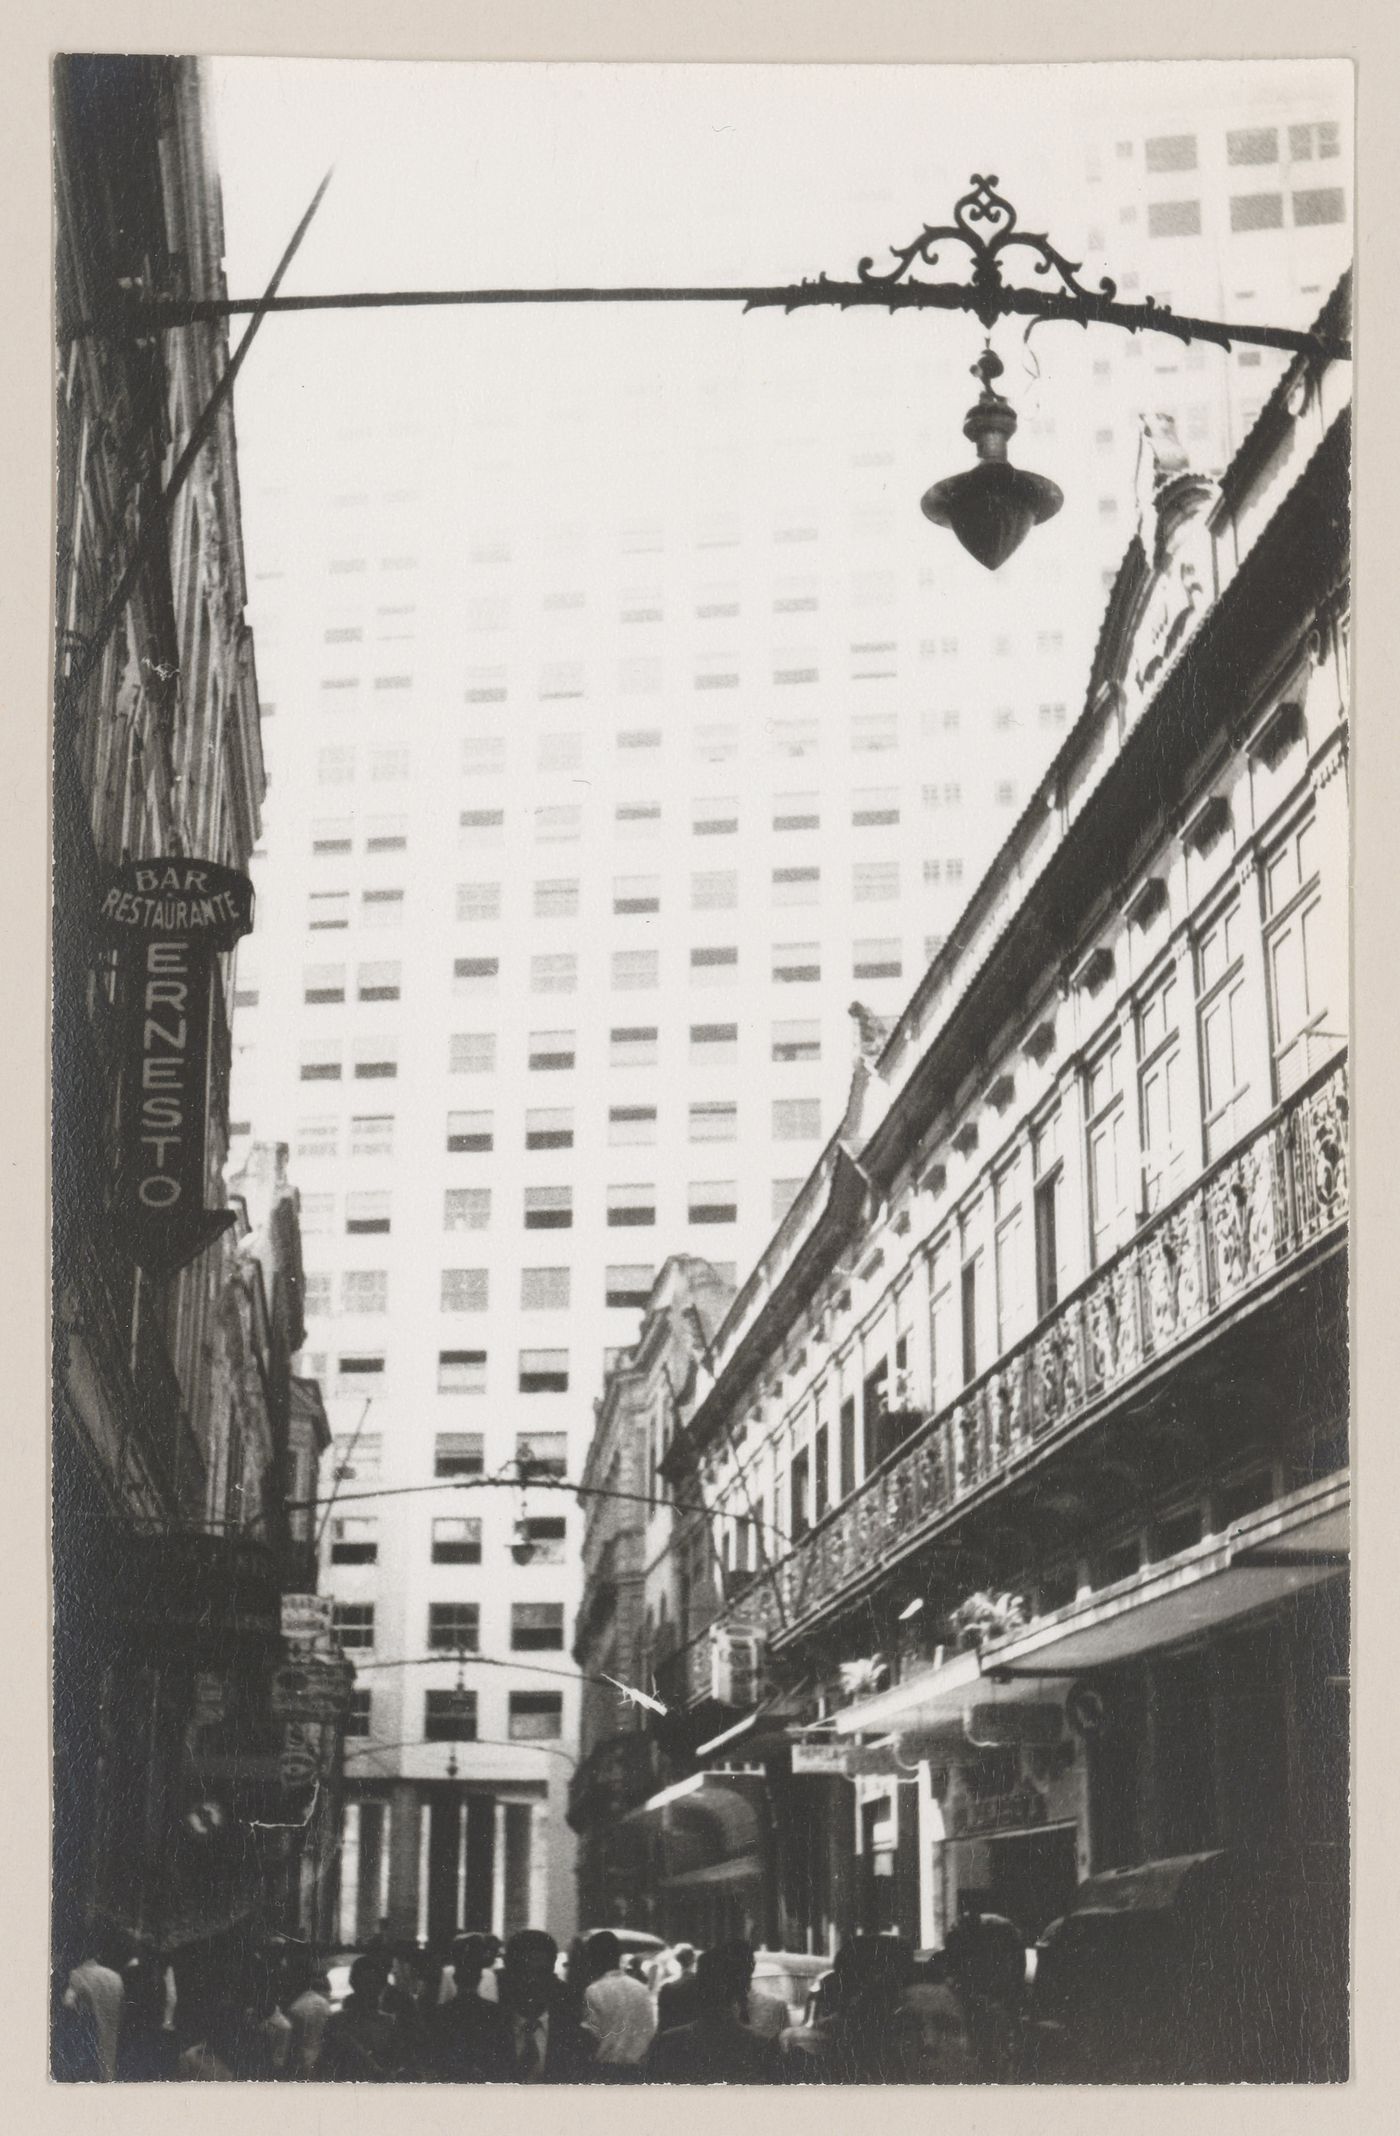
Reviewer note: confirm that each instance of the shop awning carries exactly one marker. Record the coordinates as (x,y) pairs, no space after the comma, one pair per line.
(1280,1551)
(710,1826)
(741,1870)
(938,1694)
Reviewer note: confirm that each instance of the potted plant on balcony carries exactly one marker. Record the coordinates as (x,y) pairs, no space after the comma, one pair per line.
(985,1616)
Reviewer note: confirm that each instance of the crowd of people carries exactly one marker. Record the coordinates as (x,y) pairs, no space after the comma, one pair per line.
(483,2013)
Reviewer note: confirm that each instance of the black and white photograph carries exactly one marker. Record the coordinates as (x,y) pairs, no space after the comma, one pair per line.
(701,1134)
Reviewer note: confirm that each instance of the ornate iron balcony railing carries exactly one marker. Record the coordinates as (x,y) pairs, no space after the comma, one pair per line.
(1263,1204)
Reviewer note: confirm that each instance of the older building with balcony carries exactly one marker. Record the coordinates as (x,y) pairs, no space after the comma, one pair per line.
(1025,1455)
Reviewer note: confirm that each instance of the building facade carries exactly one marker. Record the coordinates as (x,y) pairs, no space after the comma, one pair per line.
(602,795)
(171,1431)
(1040,1393)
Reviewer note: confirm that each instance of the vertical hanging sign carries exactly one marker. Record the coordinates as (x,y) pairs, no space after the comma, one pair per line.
(169,920)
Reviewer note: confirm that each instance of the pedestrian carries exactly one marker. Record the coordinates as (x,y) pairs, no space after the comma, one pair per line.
(146,2047)
(677,1999)
(466,2041)
(939,2047)
(717,2046)
(870,2037)
(765,2014)
(489,1987)
(94,1996)
(360,2044)
(617,2009)
(310,2012)
(987,1963)
(546,2043)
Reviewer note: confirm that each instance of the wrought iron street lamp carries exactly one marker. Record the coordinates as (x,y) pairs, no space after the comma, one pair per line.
(993,506)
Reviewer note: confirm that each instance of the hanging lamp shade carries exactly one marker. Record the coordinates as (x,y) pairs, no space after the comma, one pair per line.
(993,506)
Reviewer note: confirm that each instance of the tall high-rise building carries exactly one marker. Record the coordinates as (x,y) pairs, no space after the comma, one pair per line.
(626,725)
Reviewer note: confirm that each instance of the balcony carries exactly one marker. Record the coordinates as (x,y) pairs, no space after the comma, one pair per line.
(1267,1204)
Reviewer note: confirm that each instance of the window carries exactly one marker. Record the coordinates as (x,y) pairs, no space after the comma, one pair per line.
(1325,137)
(1256,211)
(549,1127)
(636,893)
(335,767)
(360,1372)
(873,732)
(848,1445)
(1049,1230)
(388,764)
(1013,1307)
(317,1215)
(355,1540)
(481,826)
(323,983)
(466,1209)
(714,1120)
(632,1046)
(631,1205)
(549,1208)
(475,975)
(1005,793)
(381,908)
(328,910)
(796,886)
(536,1716)
(456,1542)
(378,982)
(469,1131)
(713,966)
(544,1289)
(364,1290)
(464,1290)
(317,1297)
(1295,960)
(331,834)
(1173,218)
(711,1044)
(639,738)
(631,1124)
(558,825)
(715,744)
(551,1049)
(455,1627)
(449,1716)
(461,1372)
(376,1058)
(877,960)
(1321,204)
(1252,144)
(471,1052)
(713,1201)
(1220,1014)
(1109,1191)
(797,1040)
(544,1372)
(628,1283)
(638,677)
(542,1453)
(796,1119)
(387,834)
(637,819)
(367,1212)
(478,901)
(1171,152)
(714,819)
(1161,1103)
(357,1720)
(559,752)
(796,963)
(796,812)
(353,1623)
(714,891)
(635,970)
(483,755)
(554,974)
(875,881)
(794,737)
(557,899)
(875,805)
(459,1453)
(318,1138)
(536,1627)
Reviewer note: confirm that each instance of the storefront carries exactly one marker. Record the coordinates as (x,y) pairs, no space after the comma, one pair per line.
(708,1843)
